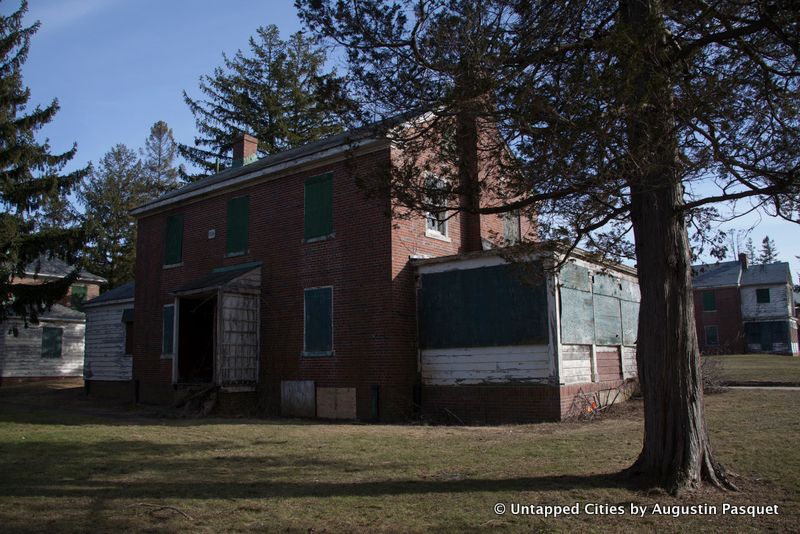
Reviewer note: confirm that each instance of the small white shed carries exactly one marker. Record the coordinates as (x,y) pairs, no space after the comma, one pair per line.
(109,341)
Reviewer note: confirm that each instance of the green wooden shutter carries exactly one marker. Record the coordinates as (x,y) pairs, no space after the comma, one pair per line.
(762,296)
(318,320)
(173,242)
(167,328)
(77,296)
(238,220)
(709,301)
(51,342)
(319,206)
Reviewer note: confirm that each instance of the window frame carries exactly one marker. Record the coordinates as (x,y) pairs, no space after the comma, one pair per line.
(47,355)
(512,218)
(707,302)
(436,222)
(711,328)
(317,353)
(312,186)
(763,291)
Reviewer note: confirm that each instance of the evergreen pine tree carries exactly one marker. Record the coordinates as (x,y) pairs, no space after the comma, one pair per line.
(31,183)
(278,92)
(116,185)
(750,250)
(769,254)
(159,153)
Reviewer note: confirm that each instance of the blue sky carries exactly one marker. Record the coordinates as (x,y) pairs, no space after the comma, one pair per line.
(118,66)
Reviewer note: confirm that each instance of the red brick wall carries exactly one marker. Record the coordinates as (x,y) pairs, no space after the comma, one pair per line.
(490,404)
(727,318)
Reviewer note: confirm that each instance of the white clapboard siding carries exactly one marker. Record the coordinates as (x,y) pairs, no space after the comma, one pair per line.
(629,362)
(485,365)
(105,343)
(779,304)
(21,355)
(576,364)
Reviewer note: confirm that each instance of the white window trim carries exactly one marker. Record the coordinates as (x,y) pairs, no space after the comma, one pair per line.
(435,233)
(323,353)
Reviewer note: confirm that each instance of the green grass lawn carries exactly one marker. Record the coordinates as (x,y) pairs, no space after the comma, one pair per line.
(758,368)
(71,464)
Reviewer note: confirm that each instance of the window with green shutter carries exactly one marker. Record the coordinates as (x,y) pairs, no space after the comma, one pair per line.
(77,296)
(712,335)
(762,295)
(709,301)
(319,206)
(238,220)
(51,342)
(318,323)
(167,329)
(173,242)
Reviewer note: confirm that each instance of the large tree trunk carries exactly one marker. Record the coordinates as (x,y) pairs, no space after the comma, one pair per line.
(676,453)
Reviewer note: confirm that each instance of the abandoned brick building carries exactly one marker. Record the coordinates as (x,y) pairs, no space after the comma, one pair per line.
(280,279)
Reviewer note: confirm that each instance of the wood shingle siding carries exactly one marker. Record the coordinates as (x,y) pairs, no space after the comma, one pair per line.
(486,365)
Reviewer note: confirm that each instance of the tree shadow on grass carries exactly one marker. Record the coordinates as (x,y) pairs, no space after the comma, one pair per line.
(117,469)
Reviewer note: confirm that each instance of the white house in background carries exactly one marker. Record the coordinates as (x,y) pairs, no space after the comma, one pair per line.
(109,342)
(53,348)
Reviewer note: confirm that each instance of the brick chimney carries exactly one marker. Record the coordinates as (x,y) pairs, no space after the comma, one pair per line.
(244,150)
(743,260)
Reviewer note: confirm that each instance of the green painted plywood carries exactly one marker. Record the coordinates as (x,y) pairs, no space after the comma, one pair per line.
(630,322)
(575,277)
(607,320)
(577,317)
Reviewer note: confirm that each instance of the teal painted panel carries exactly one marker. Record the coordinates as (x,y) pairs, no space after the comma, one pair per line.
(630,322)
(630,291)
(577,317)
(173,242)
(607,320)
(575,277)
(490,306)
(605,284)
(167,329)
(51,341)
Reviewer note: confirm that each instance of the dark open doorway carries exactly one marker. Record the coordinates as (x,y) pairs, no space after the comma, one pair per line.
(196,339)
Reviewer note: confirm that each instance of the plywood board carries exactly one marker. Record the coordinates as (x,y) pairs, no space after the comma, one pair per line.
(298,398)
(336,403)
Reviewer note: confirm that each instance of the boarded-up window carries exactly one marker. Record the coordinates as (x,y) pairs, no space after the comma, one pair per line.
(77,296)
(709,301)
(511,230)
(762,296)
(318,327)
(167,329)
(767,334)
(490,306)
(318,206)
(712,335)
(51,342)
(238,220)
(173,241)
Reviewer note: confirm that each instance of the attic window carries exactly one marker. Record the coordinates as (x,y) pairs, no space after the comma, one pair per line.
(173,242)
(77,296)
(762,296)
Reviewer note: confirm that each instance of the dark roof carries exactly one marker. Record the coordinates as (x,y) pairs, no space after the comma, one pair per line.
(376,130)
(770,273)
(123,292)
(722,274)
(217,278)
(56,267)
(57,311)
(731,273)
